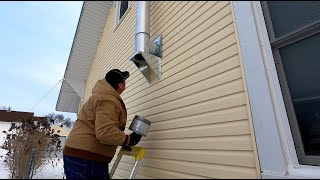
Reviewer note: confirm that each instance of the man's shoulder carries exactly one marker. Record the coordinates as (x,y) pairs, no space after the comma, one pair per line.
(104,96)
(101,97)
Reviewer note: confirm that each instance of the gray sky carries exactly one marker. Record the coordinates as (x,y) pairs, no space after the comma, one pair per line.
(35,42)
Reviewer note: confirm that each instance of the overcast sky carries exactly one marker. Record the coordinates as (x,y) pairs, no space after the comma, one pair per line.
(35,42)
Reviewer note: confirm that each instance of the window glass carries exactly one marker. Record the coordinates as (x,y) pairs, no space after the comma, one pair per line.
(287,16)
(301,63)
(123,8)
(297,62)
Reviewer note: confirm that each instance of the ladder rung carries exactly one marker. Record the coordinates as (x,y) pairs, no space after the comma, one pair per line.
(137,152)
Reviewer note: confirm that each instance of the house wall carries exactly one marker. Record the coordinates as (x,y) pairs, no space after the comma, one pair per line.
(201,123)
(63,131)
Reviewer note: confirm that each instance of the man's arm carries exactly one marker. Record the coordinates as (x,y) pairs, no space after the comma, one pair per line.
(107,124)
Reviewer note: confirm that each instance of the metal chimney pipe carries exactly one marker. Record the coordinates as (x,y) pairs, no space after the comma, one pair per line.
(142,37)
(147,55)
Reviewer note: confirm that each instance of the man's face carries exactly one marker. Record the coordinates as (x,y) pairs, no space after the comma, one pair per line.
(122,87)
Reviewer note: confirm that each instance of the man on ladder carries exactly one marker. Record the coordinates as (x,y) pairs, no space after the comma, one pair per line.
(98,130)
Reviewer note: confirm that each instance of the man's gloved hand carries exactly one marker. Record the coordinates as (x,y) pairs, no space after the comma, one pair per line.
(131,140)
(134,139)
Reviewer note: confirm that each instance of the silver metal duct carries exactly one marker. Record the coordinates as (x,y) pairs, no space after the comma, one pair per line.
(147,55)
(142,37)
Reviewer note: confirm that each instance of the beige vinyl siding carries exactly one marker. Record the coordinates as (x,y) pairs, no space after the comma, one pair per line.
(200,122)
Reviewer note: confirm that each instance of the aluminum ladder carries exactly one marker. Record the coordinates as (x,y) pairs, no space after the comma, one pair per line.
(136,152)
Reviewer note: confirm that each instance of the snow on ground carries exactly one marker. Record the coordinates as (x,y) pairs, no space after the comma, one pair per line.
(4,173)
(50,170)
(47,171)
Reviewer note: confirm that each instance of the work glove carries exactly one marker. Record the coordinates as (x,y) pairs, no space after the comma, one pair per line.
(131,140)
(134,139)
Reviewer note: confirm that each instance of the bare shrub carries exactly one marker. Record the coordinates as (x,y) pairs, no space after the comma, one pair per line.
(29,139)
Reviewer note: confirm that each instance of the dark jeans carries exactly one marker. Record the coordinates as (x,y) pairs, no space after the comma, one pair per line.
(76,168)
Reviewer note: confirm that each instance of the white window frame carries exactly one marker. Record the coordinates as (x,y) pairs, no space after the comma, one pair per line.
(117,15)
(276,150)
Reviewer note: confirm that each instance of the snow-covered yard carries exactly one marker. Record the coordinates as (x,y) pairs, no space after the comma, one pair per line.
(48,171)
(4,173)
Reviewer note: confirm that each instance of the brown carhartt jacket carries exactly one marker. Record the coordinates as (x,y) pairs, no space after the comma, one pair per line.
(98,130)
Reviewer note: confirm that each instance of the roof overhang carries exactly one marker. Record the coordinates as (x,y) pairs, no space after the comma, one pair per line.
(89,30)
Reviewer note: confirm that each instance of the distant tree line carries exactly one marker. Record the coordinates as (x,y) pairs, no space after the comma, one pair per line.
(5,108)
(53,118)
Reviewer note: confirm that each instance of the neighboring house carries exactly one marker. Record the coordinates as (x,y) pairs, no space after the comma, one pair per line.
(62,131)
(238,95)
(14,117)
